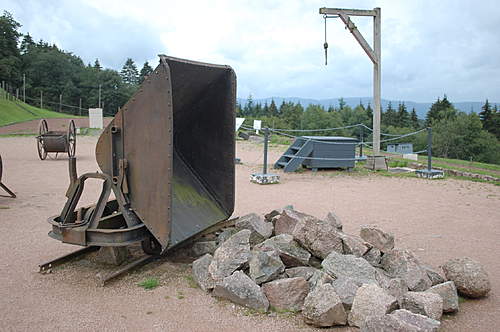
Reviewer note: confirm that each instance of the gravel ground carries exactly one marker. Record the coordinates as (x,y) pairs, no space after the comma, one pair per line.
(438,219)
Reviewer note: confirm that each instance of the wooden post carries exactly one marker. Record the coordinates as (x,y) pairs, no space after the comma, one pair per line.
(41,99)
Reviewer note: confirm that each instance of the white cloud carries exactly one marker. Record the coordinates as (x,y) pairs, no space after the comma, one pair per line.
(428,47)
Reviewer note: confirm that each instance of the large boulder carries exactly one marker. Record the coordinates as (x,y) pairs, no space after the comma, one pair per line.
(353,245)
(289,250)
(378,238)
(286,294)
(317,236)
(402,263)
(323,308)
(370,300)
(425,324)
(240,289)
(387,323)
(200,272)
(231,255)
(333,219)
(286,222)
(265,265)
(448,293)
(349,266)
(423,303)
(469,277)
(346,289)
(260,228)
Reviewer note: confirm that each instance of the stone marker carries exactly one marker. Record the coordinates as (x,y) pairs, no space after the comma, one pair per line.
(265,265)
(402,263)
(448,293)
(240,289)
(323,308)
(469,277)
(200,272)
(317,236)
(260,228)
(370,300)
(425,324)
(423,303)
(377,237)
(289,250)
(286,294)
(349,266)
(112,255)
(231,255)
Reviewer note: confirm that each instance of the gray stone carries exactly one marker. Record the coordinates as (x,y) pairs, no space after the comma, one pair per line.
(200,272)
(333,219)
(203,247)
(469,277)
(373,256)
(346,290)
(286,294)
(397,287)
(382,279)
(323,308)
(423,303)
(399,263)
(353,245)
(289,250)
(425,324)
(317,236)
(285,224)
(226,234)
(377,237)
(261,229)
(240,289)
(231,255)
(370,300)
(349,266)
(265,265)
(305,272)
(271,216)
(387,323)
(434,275)
(448,293)
(319,278)
(112,255)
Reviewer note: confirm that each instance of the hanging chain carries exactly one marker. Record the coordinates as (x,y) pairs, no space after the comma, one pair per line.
(325,45)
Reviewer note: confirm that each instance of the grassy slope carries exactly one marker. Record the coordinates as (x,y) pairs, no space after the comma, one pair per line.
(13,112)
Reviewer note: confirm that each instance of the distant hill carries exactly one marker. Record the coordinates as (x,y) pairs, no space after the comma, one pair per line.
(17,111)
(420,108)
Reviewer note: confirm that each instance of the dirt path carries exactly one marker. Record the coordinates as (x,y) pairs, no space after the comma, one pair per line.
(59,124)
(437,219)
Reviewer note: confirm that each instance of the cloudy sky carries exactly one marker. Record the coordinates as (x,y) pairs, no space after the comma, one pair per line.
(429,47)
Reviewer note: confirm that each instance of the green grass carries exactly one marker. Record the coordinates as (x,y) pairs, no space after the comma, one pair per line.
(17,111)
(150,283)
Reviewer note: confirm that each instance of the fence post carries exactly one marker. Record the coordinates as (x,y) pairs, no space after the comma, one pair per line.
(41,99)
(60,103)
(361,146)
(429,149)
(266,140)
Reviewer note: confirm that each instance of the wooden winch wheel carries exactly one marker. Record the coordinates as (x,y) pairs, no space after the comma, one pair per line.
(71,139)
(43,129)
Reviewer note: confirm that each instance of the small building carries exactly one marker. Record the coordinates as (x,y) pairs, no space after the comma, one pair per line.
(401,148)
(319,152)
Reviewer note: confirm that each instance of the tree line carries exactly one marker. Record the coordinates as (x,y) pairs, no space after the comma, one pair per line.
(60,77)
(456,134)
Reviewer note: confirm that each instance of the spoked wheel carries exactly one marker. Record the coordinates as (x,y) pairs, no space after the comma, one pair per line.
(43,128)
(151,246)
(71,139)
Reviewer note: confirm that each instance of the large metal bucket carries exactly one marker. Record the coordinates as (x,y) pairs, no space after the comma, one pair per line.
(170,153)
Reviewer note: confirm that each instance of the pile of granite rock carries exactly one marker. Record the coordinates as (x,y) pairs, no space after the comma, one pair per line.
(288,261)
